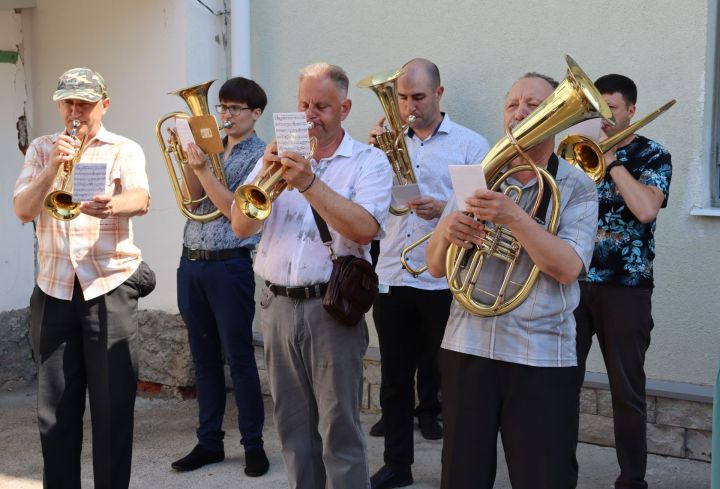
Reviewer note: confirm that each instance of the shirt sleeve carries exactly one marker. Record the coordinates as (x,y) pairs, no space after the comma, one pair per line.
(658,171)
(477,150)
(35,162)
(373,186)
(579,218)
(131,167)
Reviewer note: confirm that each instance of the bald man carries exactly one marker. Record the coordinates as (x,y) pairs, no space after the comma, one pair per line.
(410,313)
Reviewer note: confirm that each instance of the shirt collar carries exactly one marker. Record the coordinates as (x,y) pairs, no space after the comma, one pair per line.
(344,149)
(442,127)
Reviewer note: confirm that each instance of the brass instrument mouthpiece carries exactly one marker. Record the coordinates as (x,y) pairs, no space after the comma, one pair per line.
(226,124)
(310,125)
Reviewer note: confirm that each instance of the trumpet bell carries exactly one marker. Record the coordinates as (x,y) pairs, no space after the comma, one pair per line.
(584,153)
(253,201)
(60,205)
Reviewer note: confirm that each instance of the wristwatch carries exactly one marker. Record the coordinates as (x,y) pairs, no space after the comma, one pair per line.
(612,165)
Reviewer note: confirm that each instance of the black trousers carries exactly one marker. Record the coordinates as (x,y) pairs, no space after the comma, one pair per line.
(534,408)
(84,345)
(621,317)
(410,323)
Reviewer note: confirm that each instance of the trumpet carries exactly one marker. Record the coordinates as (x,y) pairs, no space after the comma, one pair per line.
(589,156)
(59,202)
(255,199)
(384,85)
(196,98)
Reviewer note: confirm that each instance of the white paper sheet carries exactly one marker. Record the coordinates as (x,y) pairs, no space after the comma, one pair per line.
(465,180)
(89,180)
(291,132)
(402,193)
(184,132)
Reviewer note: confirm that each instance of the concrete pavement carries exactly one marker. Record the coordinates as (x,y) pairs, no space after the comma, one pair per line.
(164,431)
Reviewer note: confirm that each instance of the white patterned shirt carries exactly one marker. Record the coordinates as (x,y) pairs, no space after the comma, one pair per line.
(99,251)
(541,331)
(451,144)
(291,252)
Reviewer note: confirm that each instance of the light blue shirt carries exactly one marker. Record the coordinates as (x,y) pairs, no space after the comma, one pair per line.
(291,252)
(540,332)
(451,144)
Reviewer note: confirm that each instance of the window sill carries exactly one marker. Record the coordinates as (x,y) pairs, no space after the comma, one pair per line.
(705,211)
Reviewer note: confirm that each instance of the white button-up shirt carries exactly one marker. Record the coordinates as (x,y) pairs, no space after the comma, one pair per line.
(451,144)
(291,252)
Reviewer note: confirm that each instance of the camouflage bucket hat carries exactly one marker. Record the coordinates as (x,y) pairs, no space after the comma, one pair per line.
(80,83)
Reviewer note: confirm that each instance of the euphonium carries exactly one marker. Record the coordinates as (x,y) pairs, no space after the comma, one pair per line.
(255,199)
(59,202)
(385,87)
(574,100)
(589,156)
(196,99)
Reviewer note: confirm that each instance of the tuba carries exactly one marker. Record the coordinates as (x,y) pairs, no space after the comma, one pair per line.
(385,87)
(574,100)
(59,202)
(589,156)
(255,199)
(196,98)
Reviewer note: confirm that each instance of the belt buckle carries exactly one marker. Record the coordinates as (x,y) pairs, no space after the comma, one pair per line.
(307,292)
(190,255)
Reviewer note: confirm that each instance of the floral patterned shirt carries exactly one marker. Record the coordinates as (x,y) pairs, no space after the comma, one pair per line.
(625,247)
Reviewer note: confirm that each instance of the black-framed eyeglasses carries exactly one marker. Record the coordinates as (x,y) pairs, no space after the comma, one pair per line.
(233,109)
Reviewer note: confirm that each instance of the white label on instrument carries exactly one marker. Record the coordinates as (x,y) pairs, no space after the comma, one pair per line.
(291,132)
(182,126)
(89,181)
(465,180)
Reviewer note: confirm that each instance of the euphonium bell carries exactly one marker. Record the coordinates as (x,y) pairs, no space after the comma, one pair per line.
(589,156)
(384,85)
(255,199)
(59,202)
(196,98)
(574,100)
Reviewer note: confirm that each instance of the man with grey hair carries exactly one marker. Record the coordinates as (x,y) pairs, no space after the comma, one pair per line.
(314,362)
(515,373)
(411,311)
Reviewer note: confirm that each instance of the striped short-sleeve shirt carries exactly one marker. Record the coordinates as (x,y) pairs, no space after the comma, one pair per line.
(100,252)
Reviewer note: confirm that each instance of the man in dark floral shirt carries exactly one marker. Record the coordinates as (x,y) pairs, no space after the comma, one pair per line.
(616,295)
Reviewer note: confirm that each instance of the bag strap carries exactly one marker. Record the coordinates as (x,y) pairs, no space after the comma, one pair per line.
(552,168)
(324,232)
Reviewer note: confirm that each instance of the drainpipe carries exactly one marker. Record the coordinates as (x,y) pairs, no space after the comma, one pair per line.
(240,51)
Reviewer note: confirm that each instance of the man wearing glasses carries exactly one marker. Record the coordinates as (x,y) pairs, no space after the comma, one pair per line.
(216,287)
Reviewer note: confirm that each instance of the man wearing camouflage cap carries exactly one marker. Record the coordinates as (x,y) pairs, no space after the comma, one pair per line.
(89,278)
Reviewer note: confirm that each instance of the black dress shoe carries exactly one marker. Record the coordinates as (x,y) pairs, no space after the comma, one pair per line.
(429,427)
(378,429)
(197,458)
(256,462)
(388,477)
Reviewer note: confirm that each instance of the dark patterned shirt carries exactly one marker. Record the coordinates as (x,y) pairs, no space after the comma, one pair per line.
(625,247)
(218,234)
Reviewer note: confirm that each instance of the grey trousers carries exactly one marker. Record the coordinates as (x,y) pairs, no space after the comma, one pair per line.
(315,370)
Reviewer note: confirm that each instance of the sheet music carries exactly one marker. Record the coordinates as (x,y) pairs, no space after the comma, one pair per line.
(89,180)
(182,126)
(291,132)
(465,180)
(402,193)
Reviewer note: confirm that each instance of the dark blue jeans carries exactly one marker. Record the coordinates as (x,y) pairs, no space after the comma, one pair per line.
(216,301)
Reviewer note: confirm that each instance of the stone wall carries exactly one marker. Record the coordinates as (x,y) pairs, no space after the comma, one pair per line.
(17,368)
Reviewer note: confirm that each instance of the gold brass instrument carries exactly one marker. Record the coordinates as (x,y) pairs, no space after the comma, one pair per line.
(59,202)
(255,199)
(589,155)
(385,87)
(574,100)
(196,98)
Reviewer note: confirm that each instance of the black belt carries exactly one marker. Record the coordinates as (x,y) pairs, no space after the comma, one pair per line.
(307,292)
(215,255)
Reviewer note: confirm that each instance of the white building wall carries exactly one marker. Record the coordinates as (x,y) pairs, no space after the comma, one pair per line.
(481,47)
(148,48)
(16,252)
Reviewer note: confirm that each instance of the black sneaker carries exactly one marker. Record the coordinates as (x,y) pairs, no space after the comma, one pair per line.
(388,477)
(378,429)
(256,462)
(197,458)
(429,427)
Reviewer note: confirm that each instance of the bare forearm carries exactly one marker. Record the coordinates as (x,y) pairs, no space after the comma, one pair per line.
(644,201)
(347,218)
(218,193)
(29,203)
(435,253)
(242,225)
(129,203)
